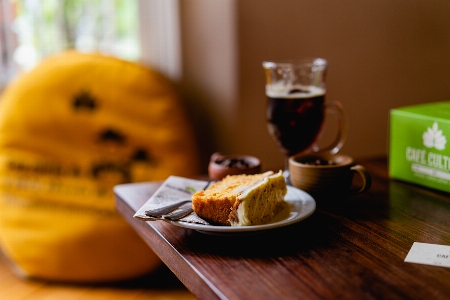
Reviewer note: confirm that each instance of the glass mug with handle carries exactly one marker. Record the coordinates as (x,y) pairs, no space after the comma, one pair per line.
(296,107)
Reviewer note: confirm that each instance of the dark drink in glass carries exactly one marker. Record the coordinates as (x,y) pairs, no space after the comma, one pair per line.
(295,118)
(296,107)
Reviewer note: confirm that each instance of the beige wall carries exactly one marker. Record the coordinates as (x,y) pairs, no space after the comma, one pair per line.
(210,71)
(383,54)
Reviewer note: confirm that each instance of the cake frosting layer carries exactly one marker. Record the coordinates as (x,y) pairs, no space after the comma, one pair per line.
(258,204)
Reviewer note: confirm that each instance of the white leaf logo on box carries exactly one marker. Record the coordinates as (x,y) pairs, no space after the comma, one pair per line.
(433,138)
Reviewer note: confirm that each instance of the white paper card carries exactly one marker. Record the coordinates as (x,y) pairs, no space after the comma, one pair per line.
(429,254)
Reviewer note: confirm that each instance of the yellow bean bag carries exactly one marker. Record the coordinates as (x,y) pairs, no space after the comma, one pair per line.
(71,129)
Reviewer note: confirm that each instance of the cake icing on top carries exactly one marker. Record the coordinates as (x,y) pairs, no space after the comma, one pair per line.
(258,204)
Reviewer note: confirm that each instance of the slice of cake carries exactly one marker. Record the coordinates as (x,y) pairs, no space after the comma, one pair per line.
(241,200)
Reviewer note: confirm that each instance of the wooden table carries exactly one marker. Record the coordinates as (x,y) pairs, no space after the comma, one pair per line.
(354,251)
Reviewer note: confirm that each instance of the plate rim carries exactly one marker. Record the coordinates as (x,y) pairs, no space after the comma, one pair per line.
(307,198)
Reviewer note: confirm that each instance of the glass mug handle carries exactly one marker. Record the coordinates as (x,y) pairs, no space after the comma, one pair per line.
(339,141)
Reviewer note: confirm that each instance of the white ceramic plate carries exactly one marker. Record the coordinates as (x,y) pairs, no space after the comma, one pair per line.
(300,206)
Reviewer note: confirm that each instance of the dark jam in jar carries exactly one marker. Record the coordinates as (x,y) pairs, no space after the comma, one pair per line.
(234,163)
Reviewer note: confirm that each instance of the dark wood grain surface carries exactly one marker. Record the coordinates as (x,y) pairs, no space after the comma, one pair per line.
(353,250)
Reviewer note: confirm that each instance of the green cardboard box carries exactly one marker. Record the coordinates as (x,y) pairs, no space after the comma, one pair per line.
(419,147)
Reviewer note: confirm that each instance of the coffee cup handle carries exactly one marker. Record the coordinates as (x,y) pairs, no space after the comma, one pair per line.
(339,141)
(366,180)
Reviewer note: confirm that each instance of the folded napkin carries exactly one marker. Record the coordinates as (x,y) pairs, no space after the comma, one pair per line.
(173,189)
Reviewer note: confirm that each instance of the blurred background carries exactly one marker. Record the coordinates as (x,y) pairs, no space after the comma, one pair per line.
(383,54)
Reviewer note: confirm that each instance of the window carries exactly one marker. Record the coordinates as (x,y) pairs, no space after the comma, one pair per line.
(41,27)
(136,30)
